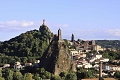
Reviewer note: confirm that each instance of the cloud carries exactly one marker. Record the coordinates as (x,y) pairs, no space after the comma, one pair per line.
(16,23)
(23,25)
(113,32)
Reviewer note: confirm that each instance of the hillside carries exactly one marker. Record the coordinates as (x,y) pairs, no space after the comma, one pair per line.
(32,43)
(109,43)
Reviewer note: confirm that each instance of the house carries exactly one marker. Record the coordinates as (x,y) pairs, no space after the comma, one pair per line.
(6,65)
(96,66)
(74,52)
(17,65)
(111,67)
(83,63)
(115,61)
(83,55)
(28,64)
(37,61)
(97,56)
(92,59)
(106,67)
(36,64)
(87,65)
(115,68)
(82,45)
(105,59)
(79,65)
(99,48)
(101,60)
(76,57)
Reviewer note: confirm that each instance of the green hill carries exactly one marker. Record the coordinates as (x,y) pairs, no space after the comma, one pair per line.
(109,43)
(30,44)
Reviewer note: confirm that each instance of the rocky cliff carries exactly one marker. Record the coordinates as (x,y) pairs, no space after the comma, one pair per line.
(57,58)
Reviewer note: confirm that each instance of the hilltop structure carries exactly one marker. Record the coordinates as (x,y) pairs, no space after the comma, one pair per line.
(85,46)
(57,57)
(45,30)
(59,35)
(82,45)
(72,38)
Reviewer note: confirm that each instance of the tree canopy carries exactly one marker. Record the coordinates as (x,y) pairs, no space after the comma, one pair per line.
(32,43)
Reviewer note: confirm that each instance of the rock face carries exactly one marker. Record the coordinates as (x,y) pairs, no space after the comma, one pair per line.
(57,58)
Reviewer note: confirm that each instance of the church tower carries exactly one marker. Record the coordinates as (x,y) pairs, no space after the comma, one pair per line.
(72,38)
(59,35)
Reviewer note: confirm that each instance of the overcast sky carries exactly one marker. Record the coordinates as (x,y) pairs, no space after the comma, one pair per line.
(86,19)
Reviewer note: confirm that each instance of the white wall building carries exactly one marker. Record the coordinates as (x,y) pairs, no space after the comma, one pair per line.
(74,52)
(6,65)
(87,65)
(97,56)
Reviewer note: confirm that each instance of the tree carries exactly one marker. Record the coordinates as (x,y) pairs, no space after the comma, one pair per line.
(71,76)
(28,76)
(44,74)
(86,73)
(117,74)
(0,73)
(29,44)
(66,42)
(63,74)
(47,75)
(17,76)
(1,76)
(24,59)
(8,74)
(37,77)
(56,78)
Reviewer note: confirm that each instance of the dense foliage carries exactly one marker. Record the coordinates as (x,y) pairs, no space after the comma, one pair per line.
(86,73)
(117,74)
(32,43)
(37,74)
(112,55)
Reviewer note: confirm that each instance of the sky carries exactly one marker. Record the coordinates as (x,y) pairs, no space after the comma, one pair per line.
(86,19)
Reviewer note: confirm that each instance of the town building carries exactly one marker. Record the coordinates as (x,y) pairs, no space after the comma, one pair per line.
(85,45)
